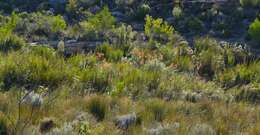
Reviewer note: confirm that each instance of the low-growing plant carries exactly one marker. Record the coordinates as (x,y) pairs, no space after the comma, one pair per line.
(156,109)
(110,53)
(98,106)
(11,43)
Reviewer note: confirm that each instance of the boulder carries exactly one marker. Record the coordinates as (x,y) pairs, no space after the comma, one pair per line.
(33,99)
(125,121)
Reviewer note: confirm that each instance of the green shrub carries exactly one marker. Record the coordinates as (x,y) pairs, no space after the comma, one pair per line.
(157,28)
(110,53)
(96,79)
(43,51)
(31,71)
(11,43)
(210,58)
(98,106)
(156,109)
(123,38)
(240,74)
(38,26)
(98,24)
(254,30)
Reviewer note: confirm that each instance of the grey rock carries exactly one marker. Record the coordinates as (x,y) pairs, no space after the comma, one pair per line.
(125,121)
(33,99)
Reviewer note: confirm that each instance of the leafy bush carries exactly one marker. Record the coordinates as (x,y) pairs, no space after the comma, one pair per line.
(210,58)
(38,25)
(254,30)
(98,24)
(157,28)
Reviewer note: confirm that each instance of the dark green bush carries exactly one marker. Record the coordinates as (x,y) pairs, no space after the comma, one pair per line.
(98,106)
(194,24)
(141,12)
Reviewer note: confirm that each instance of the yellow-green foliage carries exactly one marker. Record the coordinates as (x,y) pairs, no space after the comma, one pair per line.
(254,30)
(157,27)
(30,69)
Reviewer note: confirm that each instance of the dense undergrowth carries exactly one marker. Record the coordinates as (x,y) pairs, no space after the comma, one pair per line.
(152,82)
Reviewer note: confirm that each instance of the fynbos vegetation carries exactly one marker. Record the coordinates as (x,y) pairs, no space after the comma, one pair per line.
(135,67)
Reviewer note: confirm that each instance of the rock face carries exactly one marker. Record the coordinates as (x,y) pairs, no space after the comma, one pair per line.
(125,121)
